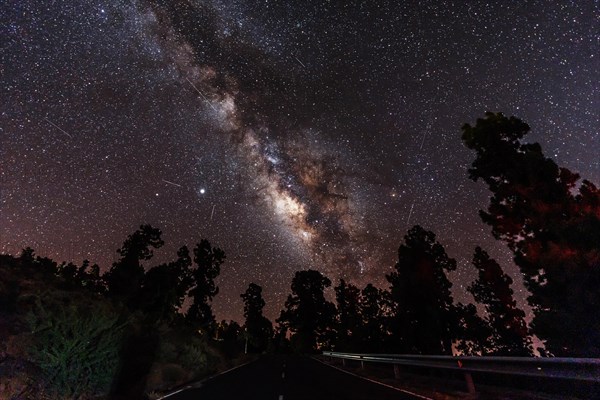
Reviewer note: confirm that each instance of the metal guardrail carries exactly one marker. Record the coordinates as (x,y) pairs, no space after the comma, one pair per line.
(585,369)
(579,369)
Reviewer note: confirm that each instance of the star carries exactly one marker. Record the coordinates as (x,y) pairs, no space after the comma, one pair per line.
(328,130)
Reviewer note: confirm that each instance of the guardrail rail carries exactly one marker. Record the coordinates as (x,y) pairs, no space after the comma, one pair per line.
(576,369)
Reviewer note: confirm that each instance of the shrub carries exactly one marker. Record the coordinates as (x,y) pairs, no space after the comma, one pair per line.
(75,347)
(194,357)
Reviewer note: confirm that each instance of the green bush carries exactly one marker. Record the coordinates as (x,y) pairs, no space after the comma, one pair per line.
(194,357)
(75,347)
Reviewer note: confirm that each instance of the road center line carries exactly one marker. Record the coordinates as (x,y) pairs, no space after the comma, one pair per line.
(280,397)
(283,375)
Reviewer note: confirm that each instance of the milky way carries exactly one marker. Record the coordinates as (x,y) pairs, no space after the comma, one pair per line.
(290,134)
(290,173)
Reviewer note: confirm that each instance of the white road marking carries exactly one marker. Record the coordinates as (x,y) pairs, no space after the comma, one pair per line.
(180,390)
(200,383)
(280,397)
(283,375)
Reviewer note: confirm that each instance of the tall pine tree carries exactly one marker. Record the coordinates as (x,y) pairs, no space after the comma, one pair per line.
(424,314)
(374,312)
(552,228)
(125,278)
(258,328)
(348,318)
(307,314)
(509,332)
(208,262)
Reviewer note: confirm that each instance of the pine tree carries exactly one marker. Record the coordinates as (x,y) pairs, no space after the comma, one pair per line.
(348,317)
(374,312)
(552,229)
(472,333)
(258,328)
(124,280)
(208,262)
(307,314)
(165,287)
(509,332)
(424,314)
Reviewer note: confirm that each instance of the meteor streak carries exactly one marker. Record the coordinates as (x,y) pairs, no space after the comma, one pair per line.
(59,128)
(297,59)
(171,183)
(201,94)
(423,140)
(410,213)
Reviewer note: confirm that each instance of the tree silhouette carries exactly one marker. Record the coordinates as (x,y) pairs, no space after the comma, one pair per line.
(472,333)
(374,312)
(553,232)
(165,287)
(424,315)
(348,317)
(307,313)
(90,277)
(259,329)
(27,255)
(229,336)
(85,276)
(509,335)
(208,262)
(125,278)
(69,271)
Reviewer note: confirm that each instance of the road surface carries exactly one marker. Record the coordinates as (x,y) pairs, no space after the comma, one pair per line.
(288,378)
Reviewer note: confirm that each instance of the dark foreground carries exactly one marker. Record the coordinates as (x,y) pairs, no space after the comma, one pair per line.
(288,378)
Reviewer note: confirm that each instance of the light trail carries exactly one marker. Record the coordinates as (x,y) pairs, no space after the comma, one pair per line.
(201,94)
(59,128)
(171,183)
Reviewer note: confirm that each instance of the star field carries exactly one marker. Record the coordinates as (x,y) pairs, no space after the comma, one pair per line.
(290,134)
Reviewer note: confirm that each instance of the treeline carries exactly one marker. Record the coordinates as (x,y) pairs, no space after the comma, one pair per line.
(121,334)
(137,328)
(549,220)
(415,315)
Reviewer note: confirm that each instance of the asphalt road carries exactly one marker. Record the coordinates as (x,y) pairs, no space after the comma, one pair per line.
(288,378)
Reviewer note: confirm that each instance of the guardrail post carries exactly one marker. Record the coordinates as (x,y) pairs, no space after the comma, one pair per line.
(396,371)
(470,383)
(468,379)
(343,362)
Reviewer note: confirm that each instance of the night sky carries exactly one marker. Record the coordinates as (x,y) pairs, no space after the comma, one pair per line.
(292,134)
